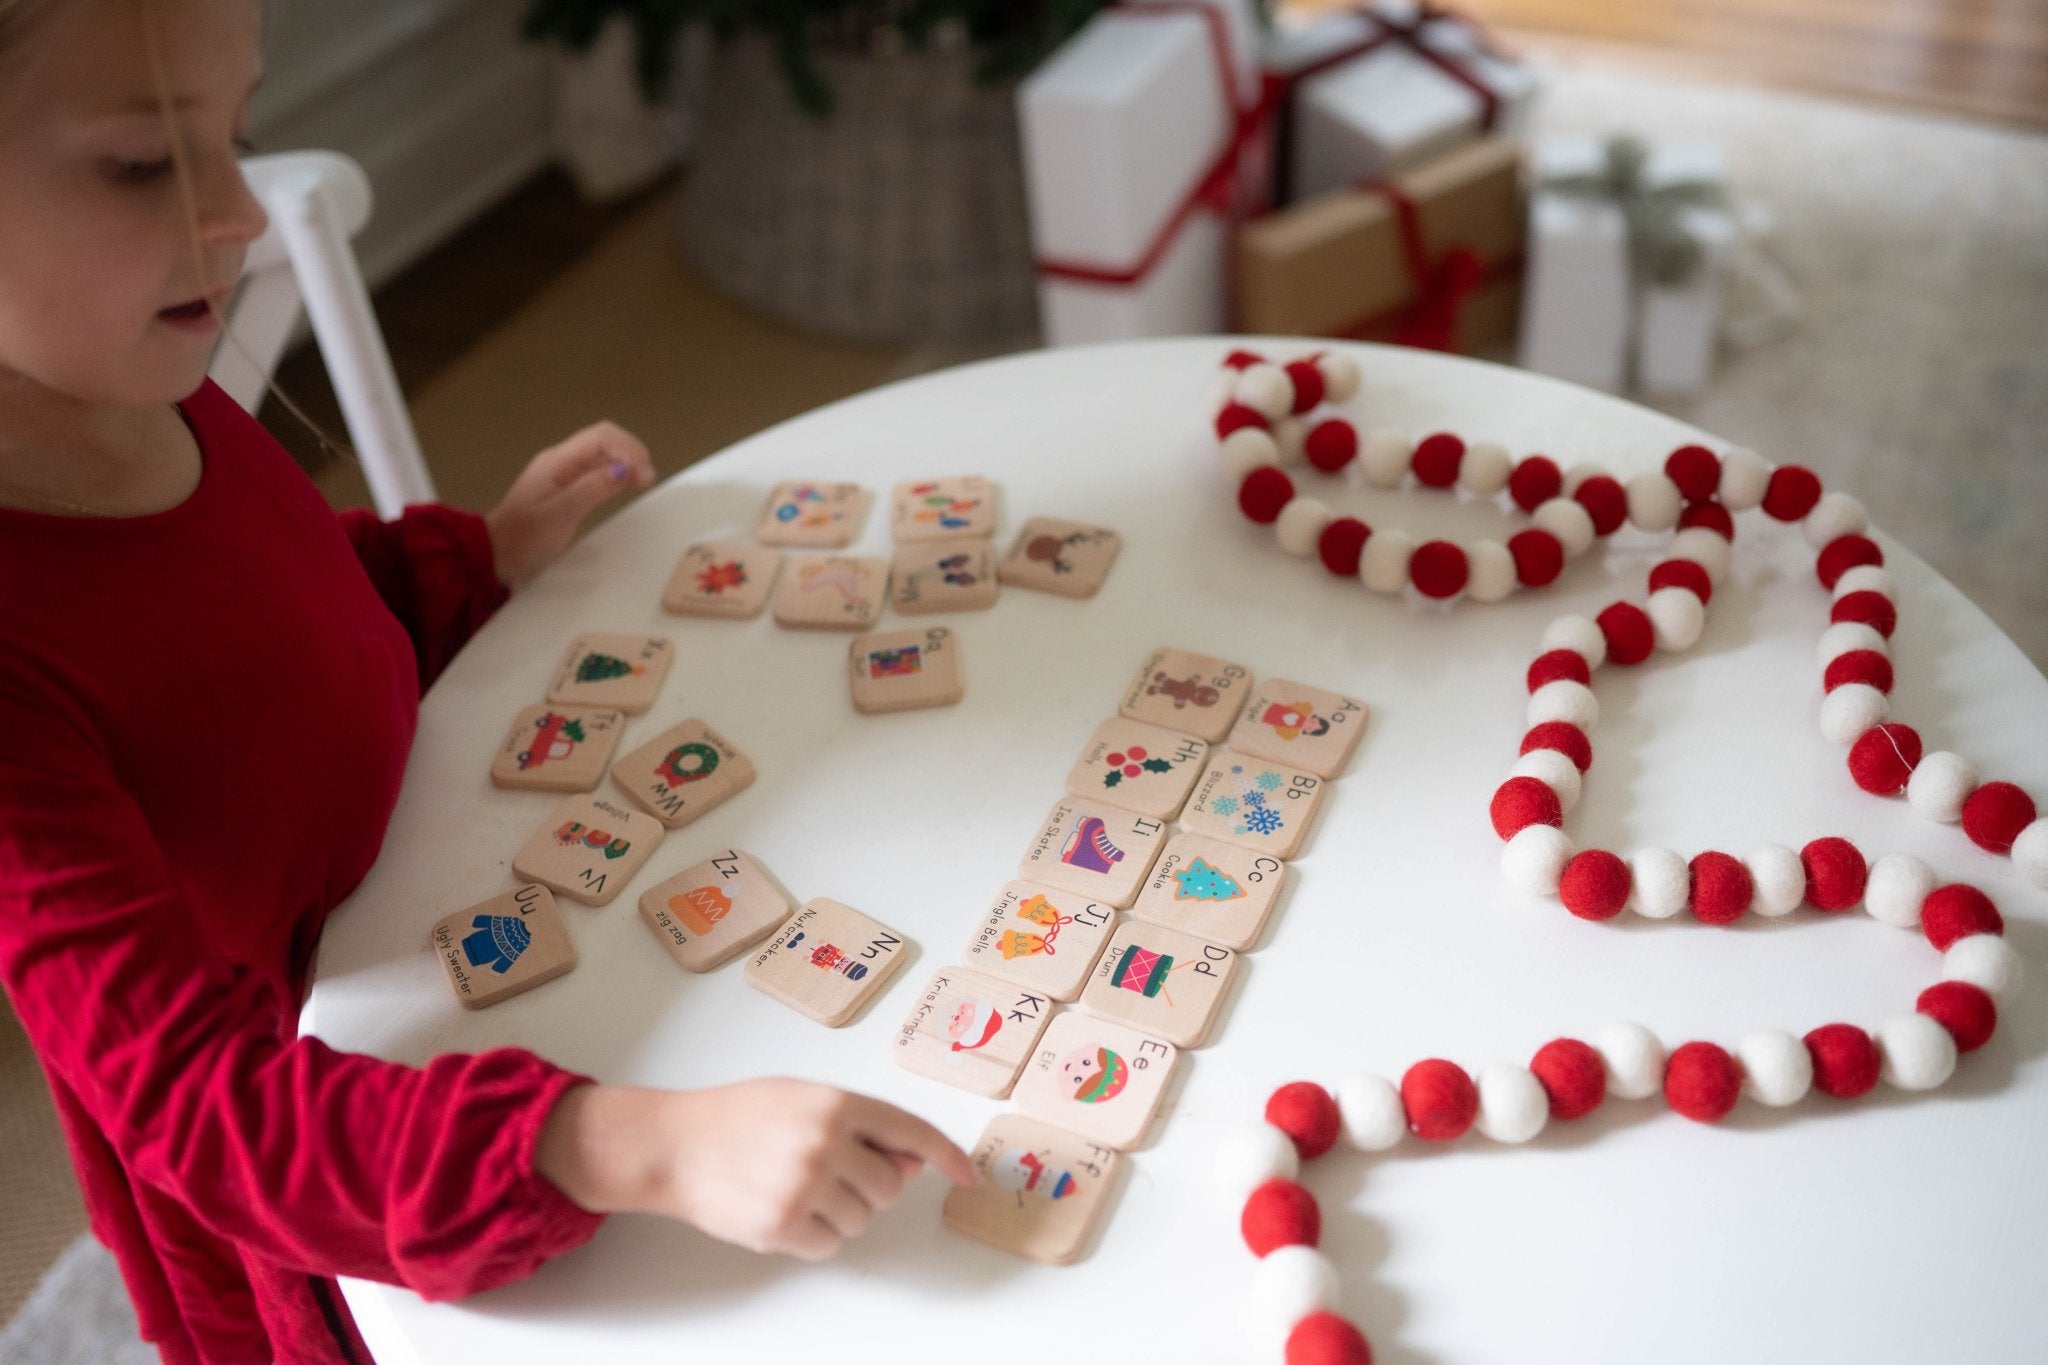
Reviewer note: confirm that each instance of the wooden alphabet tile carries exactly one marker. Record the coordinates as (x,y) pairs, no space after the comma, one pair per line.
(1096,1077)
(1162,981)
(1213,889)
(1065,557)
(1192,693)
(709,914)
(971,1030)
(1138,767)
(497,948)
(826,961)
(832,592)
(684,772)
(1307,727)
(820,515)
(722,578)
(1261,805)
(625,671)
(949,576)
(588,849)
(905,670)
(961,508)
(1042,1191)
(558,748)
(1041,938)
(1100,851)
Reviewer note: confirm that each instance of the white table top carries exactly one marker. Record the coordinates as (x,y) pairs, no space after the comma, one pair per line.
(1883,1229)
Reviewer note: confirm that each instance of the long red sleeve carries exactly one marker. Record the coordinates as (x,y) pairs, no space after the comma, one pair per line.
(435,571)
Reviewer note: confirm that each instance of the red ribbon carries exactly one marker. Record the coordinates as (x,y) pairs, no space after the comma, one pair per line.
(1442,287)
(1409,35)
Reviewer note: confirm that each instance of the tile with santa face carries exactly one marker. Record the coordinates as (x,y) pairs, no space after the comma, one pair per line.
(625,671)
(1138,767)
(971,1030)
(1041,1194)
(729,578)
(1305,727)
(1098,850)
(1192,693)
(1096,1077)
(558,748)
(1259,804)
(821,515)
(709,914)
(1213,889)
(588,849)
(1161,980)
(1041,938)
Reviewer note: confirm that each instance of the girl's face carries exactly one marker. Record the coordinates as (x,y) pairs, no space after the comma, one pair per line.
(101,284)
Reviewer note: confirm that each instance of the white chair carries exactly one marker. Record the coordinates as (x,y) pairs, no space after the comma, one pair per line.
(317,201)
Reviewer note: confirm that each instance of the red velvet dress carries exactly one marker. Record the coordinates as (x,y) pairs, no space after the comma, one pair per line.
(207,713)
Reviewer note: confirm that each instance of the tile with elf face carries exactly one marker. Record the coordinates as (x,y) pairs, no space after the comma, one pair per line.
(497,948)
(1138,767)
(1069,558)
(558,748)
(831,592)
(625,671)
(1041,938)
(1096,1077)
(1100,851)
(588,849)
(710,913)
(1042,1190)
(1161,980)
(947,576)
(962,508)
(826,961)
(722,578)
(971,1030)
(1213,889)
(684,772)
(819,515)
(1192,693)
(1304,727)
(904,670)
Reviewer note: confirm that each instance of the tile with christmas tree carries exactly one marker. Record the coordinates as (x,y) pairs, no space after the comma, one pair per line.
(1095,849)
(1042,1192)
(1162,981)
(625,671)
(1261,805)
(588,849)
(948,576)
(970,1030)
(710,913)
(1041,938)
(1193,693)
(558,748)
(832,592)
(497,948)
(962,508)
(1138,767)
(824,516)
(1305,727)
(685,772)
(722,578)
(1069,558)
(827,961)
(1213,889)
(1096,1077)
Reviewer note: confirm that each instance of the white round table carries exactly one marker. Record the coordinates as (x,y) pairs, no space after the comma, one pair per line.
(1890,1228)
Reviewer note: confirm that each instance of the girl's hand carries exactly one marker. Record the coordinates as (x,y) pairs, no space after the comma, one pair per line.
(770,1165)
(554,493)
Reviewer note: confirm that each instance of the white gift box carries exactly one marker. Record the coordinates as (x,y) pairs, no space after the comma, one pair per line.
(1677,324)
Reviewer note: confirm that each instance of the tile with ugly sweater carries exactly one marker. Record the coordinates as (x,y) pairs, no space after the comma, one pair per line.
(500,947)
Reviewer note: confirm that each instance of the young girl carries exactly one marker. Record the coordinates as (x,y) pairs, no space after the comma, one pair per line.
(208,686)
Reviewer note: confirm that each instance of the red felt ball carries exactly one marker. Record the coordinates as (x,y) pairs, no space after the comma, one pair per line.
(1595,884)
(1308,384)
(1966,1011)
(1606,501)
(1305,1112)
(1873,609)
(1524,801)
(1883,757)
(1721,888)
(1957,911)
(1792,492)
(1539,556)
(1994,815)
(1242,360)
(1440,1100)
(1235,415)
(1326,1339)
(1280,1213)
(1436,460)
(1331,444)
(1438,569)
(1865,666)
(1683,573)
(1264,492)
(1709,514)
(1845,1060)
(1835,874)
(1342,543)
(1701,1081)
(1842,554)
(1572,1075)
(1696,470)
(1559,663)
(1630,636)
(1563,736)
(1536,480)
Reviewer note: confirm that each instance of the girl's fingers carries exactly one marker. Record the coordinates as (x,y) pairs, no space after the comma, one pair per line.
(812,1239)
(873,1175)
(891,1128)
(841,1208)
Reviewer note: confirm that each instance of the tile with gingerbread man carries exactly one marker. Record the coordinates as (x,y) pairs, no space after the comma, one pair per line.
(1041,938)
(1042,1192)
(824,516)
(1192,693)
(1261,805)
(832,592)
(1097,1077)
(962,508)
(1213,889)
(623,671)
(1138,767)
(498,948)
(683,773)
(711,912)
(972,1031)
(1305,727)
(558,748)
(1096,849)
(588,849)
(729,578)
(1069,558)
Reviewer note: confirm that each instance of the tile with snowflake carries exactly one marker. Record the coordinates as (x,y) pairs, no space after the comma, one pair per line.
(730,578)
(498,948)
(625,671)
(1213,889)
(1261,805)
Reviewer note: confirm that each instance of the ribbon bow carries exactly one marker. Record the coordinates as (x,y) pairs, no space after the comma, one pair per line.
(1661,247)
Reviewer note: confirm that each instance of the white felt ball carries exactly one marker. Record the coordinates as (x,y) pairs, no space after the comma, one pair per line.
(1491,570)
(1341,377)
(1265,388)
(1370,1108)
(1533,861)
(1915,1051)
(1654,502)
(1288,1284)
(1834,516)
(1385,458)
(1776,1067)
(1383,564)
(1554,771)
(1247,1156)
(1940,784)
(1745,478)
(1576,633)
(1677,615)
(1245,450)
(1577,475)
(1705,548)
(1566,519)
(1896,888)
(2030,852)
(1225,388)
(1485,468)
(1513,1105)
(1660,883)
(1562,699)
(1986,961)
(1289,434)
(1634,1058)
(1845,637)
(1301,525)
(1867,578)
(1851,709)
(1780,880)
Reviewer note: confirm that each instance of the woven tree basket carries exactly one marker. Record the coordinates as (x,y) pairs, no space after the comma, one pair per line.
(898,216)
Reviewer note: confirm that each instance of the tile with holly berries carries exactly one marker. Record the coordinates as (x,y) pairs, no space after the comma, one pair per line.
(1138,767)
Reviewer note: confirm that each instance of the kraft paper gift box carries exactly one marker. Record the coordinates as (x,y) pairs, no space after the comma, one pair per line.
(1341,264)
(1123,128)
